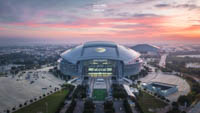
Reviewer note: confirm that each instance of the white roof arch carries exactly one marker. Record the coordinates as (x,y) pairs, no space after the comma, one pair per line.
(100,50)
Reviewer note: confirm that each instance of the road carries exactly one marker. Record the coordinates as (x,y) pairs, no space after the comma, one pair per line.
(79,107)
(118,106)
(195,109)
(99,108)
(163,60)
(64,109)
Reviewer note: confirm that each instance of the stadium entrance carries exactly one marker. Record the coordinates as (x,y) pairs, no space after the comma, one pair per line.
(99,68)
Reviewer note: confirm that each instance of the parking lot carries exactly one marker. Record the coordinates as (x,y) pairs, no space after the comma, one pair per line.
(182,85)
(17,90)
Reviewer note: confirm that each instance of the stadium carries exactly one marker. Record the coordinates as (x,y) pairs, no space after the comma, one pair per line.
(99,61)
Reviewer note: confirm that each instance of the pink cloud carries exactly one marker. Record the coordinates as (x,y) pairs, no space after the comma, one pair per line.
(90,23)
(144,28)
(2,28)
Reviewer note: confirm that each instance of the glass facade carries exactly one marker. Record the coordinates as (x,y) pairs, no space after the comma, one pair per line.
(99,68)
(68,68)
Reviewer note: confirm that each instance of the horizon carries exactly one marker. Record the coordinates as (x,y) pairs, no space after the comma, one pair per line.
(7,42)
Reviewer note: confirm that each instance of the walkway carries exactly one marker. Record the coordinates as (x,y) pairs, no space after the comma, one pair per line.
(64,109)
(79,107)
(99,107)
(118,106)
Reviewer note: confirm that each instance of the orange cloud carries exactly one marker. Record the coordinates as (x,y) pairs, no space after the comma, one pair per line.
(144,28)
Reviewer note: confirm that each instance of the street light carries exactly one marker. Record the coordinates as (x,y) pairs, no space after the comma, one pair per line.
(46,107)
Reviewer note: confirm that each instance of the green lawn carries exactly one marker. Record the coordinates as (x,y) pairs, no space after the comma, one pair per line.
(53,101)
(147,101)
(99,94)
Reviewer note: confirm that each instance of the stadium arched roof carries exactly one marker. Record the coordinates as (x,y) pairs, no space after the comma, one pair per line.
(100,50)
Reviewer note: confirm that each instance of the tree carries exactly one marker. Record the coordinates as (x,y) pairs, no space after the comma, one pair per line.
(71,107)
(31,101)
(108,107)
(182,100)
(7,111)
(13,108)
(175,106)
(138,82)
(127,106)
(44,95)
(88,106)
(20,105)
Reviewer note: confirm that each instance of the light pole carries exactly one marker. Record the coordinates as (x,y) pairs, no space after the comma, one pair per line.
(46,107)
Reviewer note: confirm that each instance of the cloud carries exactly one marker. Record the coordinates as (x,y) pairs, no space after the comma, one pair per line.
(26,10)
(75,18)
(2,28)
(137,19)
(193,28)
(139,1)
(186,6)
(145,15)
(129,14)
(162,5)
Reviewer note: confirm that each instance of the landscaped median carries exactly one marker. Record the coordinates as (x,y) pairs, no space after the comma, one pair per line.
(49,104)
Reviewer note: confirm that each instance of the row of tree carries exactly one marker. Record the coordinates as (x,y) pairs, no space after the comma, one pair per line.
(80,91)
(89,106)
(127,106)
(175,108)
(71,106)
(179,64)
(118,91)
(32,100)
(108,107)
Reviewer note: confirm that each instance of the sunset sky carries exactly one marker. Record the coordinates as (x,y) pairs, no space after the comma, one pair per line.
(114,20)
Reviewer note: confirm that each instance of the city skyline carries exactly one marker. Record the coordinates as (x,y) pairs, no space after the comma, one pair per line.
(122,21)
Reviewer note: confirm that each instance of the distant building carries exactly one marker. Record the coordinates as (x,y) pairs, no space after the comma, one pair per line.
(146,49)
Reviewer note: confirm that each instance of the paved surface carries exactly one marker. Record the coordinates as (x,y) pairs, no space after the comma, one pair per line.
(163,60)
(182,85)
(118,106)
(91,83)
(79,107)
(64,109)
(17,90)
(195,109)
(99,108)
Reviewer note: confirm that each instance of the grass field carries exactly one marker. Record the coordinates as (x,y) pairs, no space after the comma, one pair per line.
(99,94)
(53,101)
(147,102)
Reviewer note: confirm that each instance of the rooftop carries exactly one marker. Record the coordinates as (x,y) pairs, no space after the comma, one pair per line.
(100,43)
(100,50)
